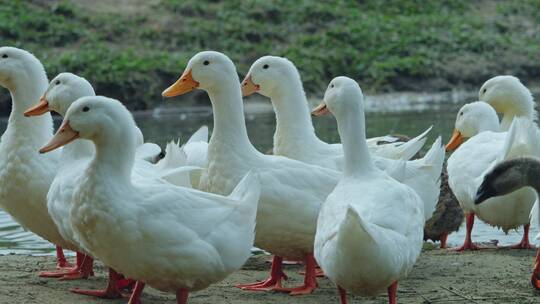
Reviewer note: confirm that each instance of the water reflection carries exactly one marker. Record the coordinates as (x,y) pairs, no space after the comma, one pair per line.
(162,125)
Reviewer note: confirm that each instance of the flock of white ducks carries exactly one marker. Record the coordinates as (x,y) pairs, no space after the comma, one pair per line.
(191,219)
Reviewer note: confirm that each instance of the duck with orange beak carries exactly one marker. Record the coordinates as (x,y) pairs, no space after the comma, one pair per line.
(290,188)
(485,146)
(172,238)
(63,90)
(25,175)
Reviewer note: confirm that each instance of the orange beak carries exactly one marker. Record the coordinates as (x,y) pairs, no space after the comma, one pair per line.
(63,136)
(456,140)
(249,87)
(41,108)
(320,110)
(185,84)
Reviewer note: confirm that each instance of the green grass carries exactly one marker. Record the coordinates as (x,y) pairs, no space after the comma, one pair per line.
(133,54)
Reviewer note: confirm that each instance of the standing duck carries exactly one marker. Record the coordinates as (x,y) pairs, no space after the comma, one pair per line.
(171,238)
(369,232)
(278,79)
(295,137)
(63,90)
(508,177)
(292,191)
(483,150)
(25,175)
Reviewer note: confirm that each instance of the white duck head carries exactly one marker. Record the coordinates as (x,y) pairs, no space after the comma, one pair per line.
(345,100)
(19,68)
(208,70)
(96,118)
(507,95)
(270,76)
(473,118)
(342,96)
(63,90)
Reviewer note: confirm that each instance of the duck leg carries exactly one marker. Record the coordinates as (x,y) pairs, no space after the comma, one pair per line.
(392,293)
(468,244)
(83,270)
(115,284)
(136,294)
(182,296)
(443,237)
(84,263)
(61,261)
(318,271)
(342,295)
(273,282)
(310,279)
(535,278)
(524,244)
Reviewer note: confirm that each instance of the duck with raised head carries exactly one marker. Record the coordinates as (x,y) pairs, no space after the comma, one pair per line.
(508,177)
(370,220)
(172,238)
(292,191)
(63,90)
(508,96)
(25,175)
(278,79)
(485,147)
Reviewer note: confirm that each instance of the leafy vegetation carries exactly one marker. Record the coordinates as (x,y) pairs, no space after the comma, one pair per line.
(132,52)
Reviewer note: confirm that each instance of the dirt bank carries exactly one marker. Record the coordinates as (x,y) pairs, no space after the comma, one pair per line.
(488,276)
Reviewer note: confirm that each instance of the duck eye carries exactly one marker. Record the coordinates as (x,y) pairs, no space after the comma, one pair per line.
(485,90)
(5,56)
(265,66)
(331,85)
(57,82)
(206,62)
(460,113)
(85,109)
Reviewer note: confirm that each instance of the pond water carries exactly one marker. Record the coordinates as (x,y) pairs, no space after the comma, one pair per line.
(408,114)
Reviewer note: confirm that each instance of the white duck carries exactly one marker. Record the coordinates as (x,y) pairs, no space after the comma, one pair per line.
(63,90)
(468,164)
(370,229)
(278,79)
(507,177)
(172,238)
(292,191)
(507,95)
(25,175)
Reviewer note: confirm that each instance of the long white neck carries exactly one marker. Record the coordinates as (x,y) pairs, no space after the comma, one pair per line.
(81,148)
(352,130)
(522,106)
(229,121)
(114,157)
(33,131)
(293,117)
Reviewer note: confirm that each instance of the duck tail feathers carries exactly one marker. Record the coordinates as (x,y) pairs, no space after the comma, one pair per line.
(354,227)
(199,135)
(248,191)
(411,147)
(522,139)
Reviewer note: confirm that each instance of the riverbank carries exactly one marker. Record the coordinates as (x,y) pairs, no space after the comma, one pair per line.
(487,276)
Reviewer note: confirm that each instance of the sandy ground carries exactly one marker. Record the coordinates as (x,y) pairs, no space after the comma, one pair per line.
(487,276)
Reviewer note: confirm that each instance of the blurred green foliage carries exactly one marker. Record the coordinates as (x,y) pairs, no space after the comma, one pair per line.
(133,53)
